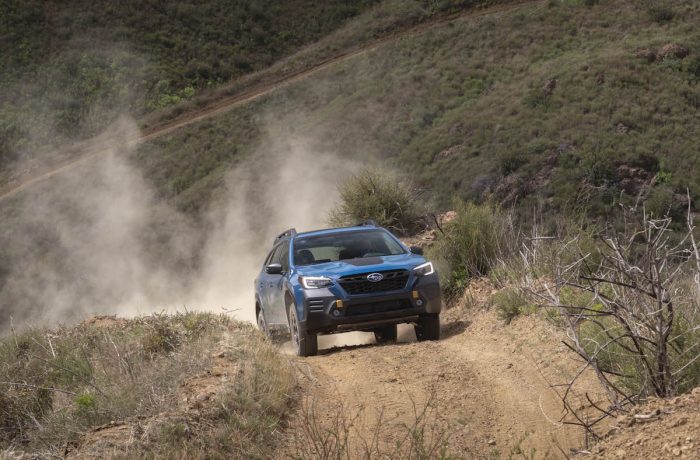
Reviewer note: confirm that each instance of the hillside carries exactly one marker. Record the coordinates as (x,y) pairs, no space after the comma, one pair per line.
(69,70)
(220,123)
(557,105)
(566,107)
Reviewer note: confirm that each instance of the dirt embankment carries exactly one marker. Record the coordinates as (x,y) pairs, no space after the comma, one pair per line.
(486,388)
(661,429)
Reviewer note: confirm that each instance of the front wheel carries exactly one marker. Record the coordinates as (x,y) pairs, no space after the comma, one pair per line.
(428,327)
(262,324)
(305,343)
(385,334)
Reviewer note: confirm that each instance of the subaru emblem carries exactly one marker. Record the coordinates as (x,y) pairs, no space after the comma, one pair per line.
(375,277)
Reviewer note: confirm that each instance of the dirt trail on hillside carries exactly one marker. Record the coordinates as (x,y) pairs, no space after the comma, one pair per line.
(487,385)
(90,149)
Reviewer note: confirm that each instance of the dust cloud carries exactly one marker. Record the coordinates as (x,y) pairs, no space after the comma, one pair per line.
(97,240)
(286,184)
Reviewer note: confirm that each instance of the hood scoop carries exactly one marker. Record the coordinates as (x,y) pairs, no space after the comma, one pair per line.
(364,261)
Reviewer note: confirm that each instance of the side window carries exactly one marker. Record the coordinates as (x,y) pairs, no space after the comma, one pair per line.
(282,256)
(268,260)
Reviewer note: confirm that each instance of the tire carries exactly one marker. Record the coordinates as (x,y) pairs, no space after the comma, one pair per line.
(262,324)
(385,334)
(428,327)
(305,343)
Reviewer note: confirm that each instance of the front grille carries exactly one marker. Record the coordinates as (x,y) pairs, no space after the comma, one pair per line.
(377,307)
(394,280)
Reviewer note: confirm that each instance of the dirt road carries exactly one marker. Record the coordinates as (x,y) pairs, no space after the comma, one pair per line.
(487,385)
(81,152)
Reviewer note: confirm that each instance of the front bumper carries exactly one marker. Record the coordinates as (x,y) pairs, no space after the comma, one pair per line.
(325,314)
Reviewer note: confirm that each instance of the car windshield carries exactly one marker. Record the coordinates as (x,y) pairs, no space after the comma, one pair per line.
(344,245)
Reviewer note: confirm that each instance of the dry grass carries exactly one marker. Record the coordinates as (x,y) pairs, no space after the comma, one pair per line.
(57,387)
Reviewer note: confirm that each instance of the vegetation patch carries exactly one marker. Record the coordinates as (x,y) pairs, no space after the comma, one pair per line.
(391,202)
(469,245)
(138,384)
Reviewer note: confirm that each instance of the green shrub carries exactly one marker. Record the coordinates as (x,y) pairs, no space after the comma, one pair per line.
(389,201)
(469,245)
(510,303)
(86,401)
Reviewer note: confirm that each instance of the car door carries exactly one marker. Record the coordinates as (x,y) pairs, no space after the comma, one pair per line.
(278,315)
(265,284)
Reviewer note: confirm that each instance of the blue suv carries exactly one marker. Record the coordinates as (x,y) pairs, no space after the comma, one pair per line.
(358,278)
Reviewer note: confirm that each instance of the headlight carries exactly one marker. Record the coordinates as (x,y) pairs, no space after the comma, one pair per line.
(424,269)
(315,282)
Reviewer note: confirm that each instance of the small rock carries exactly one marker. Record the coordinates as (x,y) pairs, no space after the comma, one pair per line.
(677,452)
(680,422)
(449,216)
(220,354)
(620,453)
(491,442)
(203,397)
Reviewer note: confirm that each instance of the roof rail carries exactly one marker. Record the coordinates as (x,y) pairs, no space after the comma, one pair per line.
(366,223)
(290,232)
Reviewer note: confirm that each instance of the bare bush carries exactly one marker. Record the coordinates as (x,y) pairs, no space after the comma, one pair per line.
(630,308)
(350,434)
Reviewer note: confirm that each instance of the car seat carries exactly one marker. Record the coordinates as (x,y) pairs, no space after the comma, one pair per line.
(305,257)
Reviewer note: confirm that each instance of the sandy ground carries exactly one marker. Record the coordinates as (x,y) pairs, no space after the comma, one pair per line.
(661,429)
(486,385)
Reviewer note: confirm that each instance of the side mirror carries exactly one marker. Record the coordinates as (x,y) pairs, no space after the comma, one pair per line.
(274,269)
(416,250)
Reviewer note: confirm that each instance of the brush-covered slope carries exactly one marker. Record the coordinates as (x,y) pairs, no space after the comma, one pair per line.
(186,386)
(561,104)
(67,67)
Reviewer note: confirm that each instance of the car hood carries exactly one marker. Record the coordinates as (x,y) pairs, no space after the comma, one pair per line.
(364,265)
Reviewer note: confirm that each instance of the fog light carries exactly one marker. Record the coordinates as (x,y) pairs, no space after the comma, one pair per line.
(336,313)
(416,295)
(419,302)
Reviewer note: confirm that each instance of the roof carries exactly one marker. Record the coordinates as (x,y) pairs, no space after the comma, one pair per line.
(328,231)
(292,232)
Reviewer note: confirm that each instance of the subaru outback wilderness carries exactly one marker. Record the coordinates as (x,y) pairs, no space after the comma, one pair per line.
(358,278)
